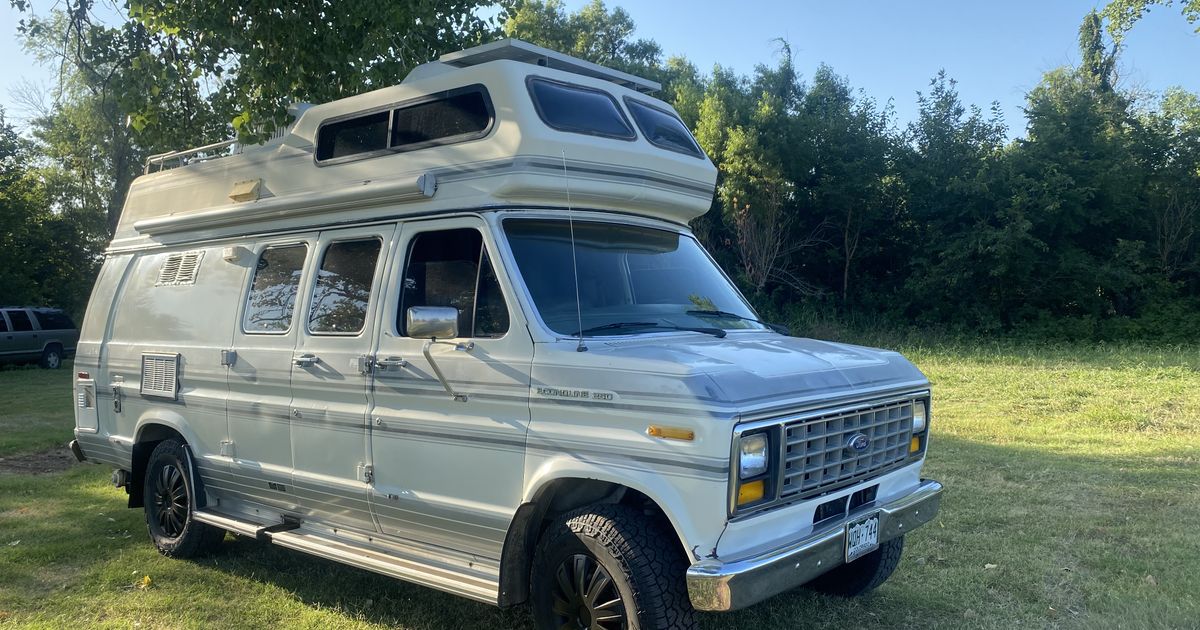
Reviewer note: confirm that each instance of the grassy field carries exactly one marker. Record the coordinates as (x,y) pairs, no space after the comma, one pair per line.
(1073,501)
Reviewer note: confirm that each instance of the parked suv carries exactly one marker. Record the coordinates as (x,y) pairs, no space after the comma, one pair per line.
(28,334)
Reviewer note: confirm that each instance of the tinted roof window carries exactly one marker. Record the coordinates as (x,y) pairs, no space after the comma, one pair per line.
(20,321)
(362,134)
(579,109)
(53,320)
(662,128)
(458,115)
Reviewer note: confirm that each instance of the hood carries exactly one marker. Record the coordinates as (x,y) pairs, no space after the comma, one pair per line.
(757,371)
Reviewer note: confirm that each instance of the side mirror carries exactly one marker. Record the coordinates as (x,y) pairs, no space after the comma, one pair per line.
(430,322)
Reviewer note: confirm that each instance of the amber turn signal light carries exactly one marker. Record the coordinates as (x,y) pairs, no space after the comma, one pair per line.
(750,492)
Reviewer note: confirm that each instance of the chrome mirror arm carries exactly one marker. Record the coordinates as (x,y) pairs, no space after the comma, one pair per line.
(462,347)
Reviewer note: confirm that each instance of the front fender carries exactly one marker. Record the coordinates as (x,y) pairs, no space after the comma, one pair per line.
(694,505)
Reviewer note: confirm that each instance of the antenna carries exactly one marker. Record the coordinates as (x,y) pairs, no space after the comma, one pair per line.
(574,264)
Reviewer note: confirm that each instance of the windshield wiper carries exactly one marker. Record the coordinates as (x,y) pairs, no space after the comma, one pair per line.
(779,328)
(716,332)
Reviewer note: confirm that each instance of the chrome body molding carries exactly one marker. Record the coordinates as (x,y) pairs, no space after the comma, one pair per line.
(719,586)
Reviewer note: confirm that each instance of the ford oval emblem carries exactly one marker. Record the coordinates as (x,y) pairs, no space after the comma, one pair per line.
(857,442)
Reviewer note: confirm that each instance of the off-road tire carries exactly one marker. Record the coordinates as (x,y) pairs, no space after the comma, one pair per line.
(636,550)
(167,494)
(864,574)
(51,358)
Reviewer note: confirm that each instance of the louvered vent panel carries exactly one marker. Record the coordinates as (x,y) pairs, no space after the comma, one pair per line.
(160,374)
(181,268)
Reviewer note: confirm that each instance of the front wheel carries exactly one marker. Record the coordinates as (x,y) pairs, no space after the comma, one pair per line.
(609,567)
(167,495)
(864,574)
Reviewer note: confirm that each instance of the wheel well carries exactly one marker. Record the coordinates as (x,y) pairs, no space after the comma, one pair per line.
(53,344)
(531,519)
(148,437)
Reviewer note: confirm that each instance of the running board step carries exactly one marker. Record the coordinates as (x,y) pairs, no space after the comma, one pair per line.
(459,580)
(238,526)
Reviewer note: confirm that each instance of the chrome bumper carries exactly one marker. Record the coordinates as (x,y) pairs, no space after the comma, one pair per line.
(716,585)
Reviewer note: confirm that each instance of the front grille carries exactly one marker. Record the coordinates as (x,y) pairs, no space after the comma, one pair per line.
(817,456)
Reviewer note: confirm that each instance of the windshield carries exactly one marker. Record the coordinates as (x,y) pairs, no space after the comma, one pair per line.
(631,279)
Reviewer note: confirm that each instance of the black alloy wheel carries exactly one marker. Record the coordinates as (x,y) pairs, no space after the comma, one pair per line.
(586,597)
(171,501)
(167,496)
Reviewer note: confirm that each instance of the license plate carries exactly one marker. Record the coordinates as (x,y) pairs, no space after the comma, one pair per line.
(862,537)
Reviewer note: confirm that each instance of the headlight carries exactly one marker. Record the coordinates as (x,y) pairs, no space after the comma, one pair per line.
(752,455)
(920,416)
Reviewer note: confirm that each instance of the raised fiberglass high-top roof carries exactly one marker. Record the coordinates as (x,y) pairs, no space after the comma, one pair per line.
(506,124)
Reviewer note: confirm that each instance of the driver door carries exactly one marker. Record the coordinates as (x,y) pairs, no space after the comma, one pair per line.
(449,470)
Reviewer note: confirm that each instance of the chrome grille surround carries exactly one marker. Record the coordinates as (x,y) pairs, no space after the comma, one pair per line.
(812,456)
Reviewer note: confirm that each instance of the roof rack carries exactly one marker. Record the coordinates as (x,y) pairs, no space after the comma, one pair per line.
(517,50)
(188,156)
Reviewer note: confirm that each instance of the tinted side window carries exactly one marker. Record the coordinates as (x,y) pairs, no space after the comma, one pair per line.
(361,134)
(662,128)
(53,320)
(20,321)
(272,298)
(579,109)
(343,289)
(451,268)
(450,119)
(3,325)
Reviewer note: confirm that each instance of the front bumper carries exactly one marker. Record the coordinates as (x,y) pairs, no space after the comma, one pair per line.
(716,585)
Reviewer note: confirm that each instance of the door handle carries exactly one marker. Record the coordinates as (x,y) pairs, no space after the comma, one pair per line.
(391,362)
(306,360)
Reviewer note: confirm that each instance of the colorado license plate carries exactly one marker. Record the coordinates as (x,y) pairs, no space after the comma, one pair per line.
(862,537)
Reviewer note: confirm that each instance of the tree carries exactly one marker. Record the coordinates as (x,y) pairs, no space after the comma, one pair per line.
(593,33)
(1123,14)
(44,255)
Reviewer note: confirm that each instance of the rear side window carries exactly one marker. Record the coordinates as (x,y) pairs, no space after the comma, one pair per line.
(53,320)
(20,321)
(3,325)
(363,134)
(662,128)
(272,297)
(454,118)
(447,117)
(339,305)
(452,268)
(579,109)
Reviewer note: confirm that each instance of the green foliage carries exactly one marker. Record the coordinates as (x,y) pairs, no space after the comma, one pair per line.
(46,258)
(1122,14)
(593,33)
(1086,227)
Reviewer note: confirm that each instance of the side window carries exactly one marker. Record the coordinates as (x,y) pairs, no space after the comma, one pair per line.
(452,268)
(20,321)
(579,109)
(272,297)
(343,291)
(53,320)
(3,324)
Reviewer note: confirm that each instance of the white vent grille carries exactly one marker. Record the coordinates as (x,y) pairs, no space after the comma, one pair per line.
(180,268)
(160,373)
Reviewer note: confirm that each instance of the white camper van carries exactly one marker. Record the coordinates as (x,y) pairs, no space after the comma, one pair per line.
(457,331)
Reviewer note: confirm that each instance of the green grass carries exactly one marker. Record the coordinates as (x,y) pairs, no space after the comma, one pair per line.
(1073,501)
(35,408)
